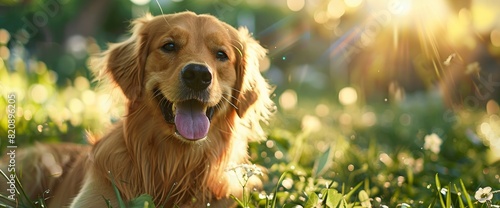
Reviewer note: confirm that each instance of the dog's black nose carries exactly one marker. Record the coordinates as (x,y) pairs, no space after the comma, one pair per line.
(196,76)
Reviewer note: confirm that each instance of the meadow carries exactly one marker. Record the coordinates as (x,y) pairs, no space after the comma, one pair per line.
(321,152)
(372,110)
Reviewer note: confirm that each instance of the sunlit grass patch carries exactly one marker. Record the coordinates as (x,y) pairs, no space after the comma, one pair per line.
(48,112)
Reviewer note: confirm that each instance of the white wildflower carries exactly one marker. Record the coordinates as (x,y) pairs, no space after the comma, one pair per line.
(433,143)
(245,171)
(484,194)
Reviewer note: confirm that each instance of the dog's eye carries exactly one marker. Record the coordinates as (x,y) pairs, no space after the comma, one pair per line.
(169,47)
(221,56)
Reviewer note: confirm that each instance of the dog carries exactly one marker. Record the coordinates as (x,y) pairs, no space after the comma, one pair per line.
(194,99)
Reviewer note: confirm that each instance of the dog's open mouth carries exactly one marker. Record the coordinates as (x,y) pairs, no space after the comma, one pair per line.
(191,117)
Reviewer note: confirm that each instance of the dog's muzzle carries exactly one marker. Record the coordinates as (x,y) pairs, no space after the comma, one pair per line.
(191,117)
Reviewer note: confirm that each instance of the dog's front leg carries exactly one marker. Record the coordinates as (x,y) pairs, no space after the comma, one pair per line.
(95,192)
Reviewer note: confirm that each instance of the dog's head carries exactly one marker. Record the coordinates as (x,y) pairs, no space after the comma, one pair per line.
(191,69)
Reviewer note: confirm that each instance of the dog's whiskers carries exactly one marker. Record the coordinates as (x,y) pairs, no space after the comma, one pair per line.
(230,103)
(162,102)
(239,91)
(218,107)
(233,97)
(156,96)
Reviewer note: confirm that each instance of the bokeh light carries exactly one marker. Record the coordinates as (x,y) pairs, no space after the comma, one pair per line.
(495,37)
(295,5)
(353,3)
(269,144)
(140,2)
(88,97)
(311,123)
(369,118)
(490,132)
(485,15)
(77,45)
(336,9)
(350,167)
(82,83)
(348,96)
(27,114)
(4,52)
(321,17)
(287,183)
(39,93)
(492,107)
(345,119)
(322,110)
(278,155)
(288,100)
(76,106)
(4,36)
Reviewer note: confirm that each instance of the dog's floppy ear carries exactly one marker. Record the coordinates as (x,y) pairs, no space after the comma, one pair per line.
(125,61)
(252,94)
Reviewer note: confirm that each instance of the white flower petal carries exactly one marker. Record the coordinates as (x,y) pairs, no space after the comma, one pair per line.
(487,189)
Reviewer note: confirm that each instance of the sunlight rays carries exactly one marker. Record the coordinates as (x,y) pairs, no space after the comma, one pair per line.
(394,40)
(278,44)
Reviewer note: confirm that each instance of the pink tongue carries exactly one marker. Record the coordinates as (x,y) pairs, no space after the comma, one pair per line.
(191,121)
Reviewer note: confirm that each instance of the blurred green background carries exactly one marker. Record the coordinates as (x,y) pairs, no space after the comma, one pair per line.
(360,85)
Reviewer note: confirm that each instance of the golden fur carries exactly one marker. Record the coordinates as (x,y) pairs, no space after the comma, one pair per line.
(142,153)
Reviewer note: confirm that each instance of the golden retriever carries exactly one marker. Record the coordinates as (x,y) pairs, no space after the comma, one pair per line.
(195,98)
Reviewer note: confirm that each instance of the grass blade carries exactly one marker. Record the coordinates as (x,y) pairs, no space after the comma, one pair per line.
(22,193)
(6,198)
(323,163)
(121,203)
(275,197)
(448,196)
(438,187)
(240,203)
(466,194)
(108,203)
(143,201)
(348,195)
(460,200)
(171,190)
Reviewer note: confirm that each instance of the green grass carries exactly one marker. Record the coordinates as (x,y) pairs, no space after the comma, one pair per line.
(362,155)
